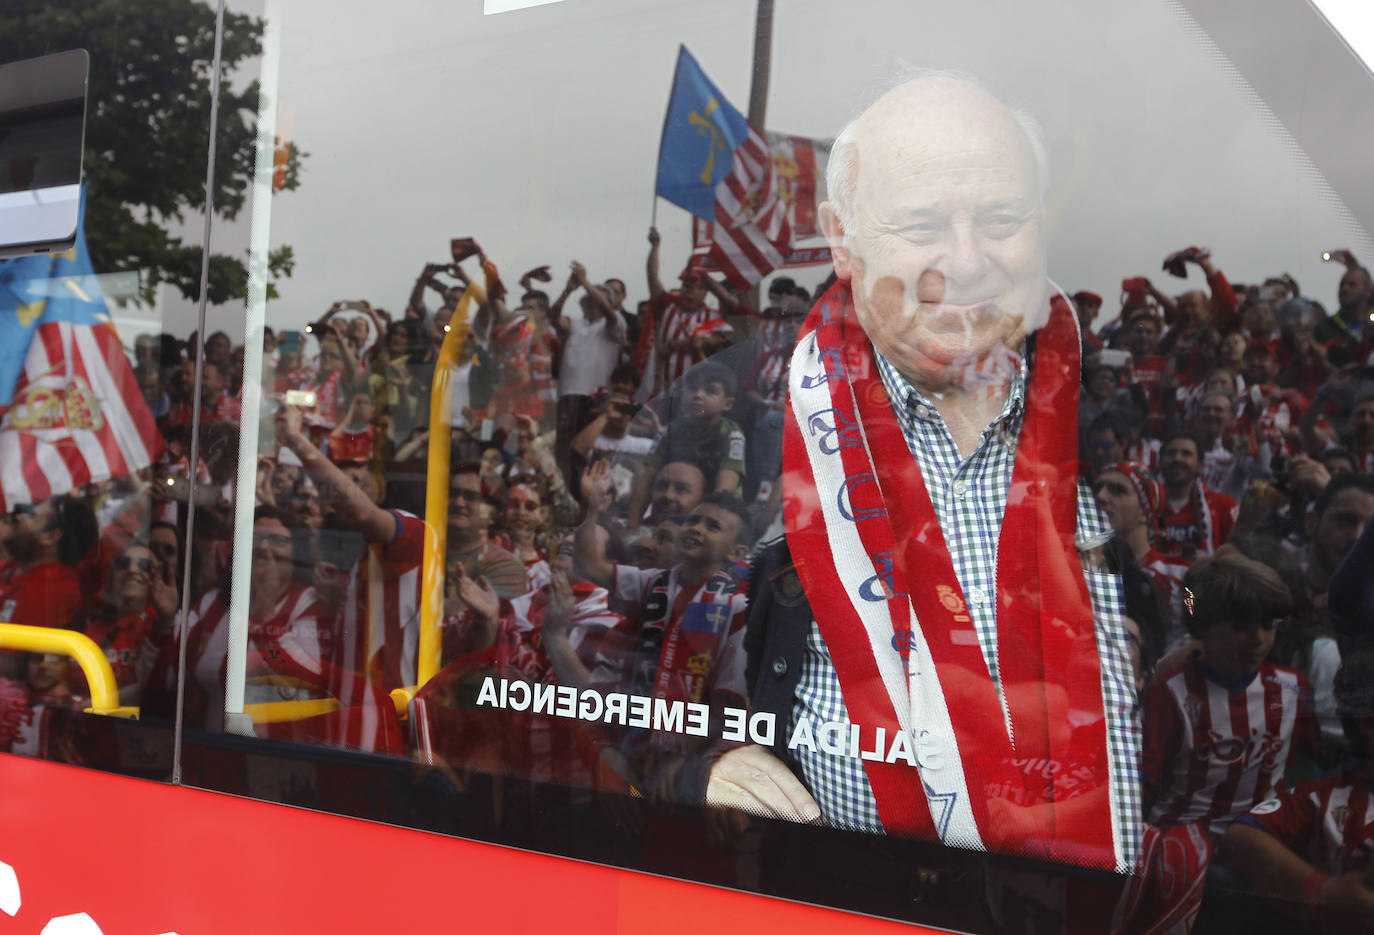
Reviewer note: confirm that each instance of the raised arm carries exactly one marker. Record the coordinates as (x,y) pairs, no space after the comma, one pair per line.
(587,549)
(354,506)
(651,265)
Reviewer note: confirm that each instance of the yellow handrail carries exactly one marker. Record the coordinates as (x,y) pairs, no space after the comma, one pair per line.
(80,648)
(429,651)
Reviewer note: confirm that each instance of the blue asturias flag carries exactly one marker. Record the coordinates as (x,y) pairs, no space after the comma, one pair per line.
(700,132)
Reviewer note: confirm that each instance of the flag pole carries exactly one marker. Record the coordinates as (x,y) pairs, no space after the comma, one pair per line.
(758,93)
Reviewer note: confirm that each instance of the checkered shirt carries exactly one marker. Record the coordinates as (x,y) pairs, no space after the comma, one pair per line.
(970,497)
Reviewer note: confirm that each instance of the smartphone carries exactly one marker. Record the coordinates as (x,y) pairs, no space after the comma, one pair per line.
(1114,358)
(301,399)
(290,342)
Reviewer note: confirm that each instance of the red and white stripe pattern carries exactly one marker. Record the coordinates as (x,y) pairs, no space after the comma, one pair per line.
(77,415)
(1212,753)
(1328,821)
(752,235)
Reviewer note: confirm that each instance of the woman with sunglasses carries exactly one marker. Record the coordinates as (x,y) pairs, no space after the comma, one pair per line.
(126,619)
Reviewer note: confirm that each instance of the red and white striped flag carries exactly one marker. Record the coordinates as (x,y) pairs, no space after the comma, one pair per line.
(751,235)
(77,415)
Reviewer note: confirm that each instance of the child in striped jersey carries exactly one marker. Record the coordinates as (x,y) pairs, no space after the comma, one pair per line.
(1220,731)
(1312,850)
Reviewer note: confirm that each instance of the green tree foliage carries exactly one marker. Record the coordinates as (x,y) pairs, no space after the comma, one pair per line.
(147,128)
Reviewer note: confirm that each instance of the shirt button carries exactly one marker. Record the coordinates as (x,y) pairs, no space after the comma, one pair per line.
(922,412)
(960,488)
(780,667)
(978,595)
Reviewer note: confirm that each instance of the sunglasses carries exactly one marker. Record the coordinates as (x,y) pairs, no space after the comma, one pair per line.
(125,562)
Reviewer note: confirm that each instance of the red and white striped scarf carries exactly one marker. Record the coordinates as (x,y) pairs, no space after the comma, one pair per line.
(882,586)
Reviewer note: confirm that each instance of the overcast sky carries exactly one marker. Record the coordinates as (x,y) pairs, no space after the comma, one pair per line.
(537,131)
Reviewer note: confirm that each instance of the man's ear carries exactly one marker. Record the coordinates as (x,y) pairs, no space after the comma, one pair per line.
(833,230)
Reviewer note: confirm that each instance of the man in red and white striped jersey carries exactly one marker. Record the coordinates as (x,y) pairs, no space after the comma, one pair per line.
(1219,733)
(677,319)
(1313,848)
(380,612)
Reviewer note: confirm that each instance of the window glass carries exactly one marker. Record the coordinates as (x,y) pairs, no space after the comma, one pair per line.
(864,455)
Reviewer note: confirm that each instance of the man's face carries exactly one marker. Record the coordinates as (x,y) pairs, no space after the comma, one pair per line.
(1087,312)
(211,383)
(132,575)
(1259,319)
(1105,448)
(1102,382)
(1215,414)
(150,382)
(162,542)
(677,488)
(532,308)
(1354,290)
(465,499)
(364,479)
(331,359)
(945,254)
(358,329)
(1116,496)
(284,479)
(693,292)
(272,556)
(1178,462)
(1233,349)
(522,508)
(46,671)
(1345,518)
(1144,336)
(706,399)
(217,349)
(1236,650)
(1260,365)
(616,289)
(306,507)
(1362,423)
(30,531)
(1192,308)
(708,536)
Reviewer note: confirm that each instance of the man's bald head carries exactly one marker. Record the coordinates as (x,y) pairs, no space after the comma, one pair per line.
(936,221)
(934,96)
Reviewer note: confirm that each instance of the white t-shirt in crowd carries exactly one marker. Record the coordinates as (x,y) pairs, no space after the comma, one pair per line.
(590,354)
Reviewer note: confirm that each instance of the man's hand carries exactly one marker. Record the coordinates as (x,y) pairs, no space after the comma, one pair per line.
(753,780)
(289,425)
(653,236)
(1345,258)
(562,603)
(480,597)
(164,591)
(1307,476)
(1348,897)
(596,486)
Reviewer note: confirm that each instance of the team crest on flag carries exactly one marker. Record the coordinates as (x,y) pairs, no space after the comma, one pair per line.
(71,412)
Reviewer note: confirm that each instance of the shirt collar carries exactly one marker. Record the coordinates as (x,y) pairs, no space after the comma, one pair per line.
(913,406)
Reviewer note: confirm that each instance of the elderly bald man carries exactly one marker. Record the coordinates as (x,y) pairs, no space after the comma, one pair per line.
(942,654)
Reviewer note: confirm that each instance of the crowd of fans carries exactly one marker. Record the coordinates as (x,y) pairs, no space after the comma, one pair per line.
(614,471)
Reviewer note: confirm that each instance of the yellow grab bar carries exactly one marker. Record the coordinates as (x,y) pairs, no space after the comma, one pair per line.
(436,485)
(80,648)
